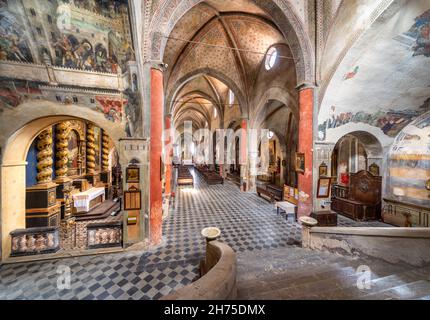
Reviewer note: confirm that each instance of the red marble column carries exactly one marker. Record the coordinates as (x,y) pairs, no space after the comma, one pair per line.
(155,189)
(306,103)
(168,156)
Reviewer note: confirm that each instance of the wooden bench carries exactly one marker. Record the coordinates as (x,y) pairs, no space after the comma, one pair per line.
(184,177)
(271,191)
(211,177)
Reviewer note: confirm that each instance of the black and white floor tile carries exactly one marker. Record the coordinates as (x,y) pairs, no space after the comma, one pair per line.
(247,223)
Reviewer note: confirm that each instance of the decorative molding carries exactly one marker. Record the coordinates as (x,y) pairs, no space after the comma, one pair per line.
(80,90)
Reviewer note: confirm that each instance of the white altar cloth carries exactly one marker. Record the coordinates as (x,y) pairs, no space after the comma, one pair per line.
(81,201)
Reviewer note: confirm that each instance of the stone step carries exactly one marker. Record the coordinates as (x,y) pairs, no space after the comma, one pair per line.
(344,287)
(349,289)
(325,276)
(409,291)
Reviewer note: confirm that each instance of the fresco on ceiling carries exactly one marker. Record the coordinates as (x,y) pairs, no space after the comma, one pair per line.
(383,91)
(420,31)
(84,34)
(351,74)
(391,122)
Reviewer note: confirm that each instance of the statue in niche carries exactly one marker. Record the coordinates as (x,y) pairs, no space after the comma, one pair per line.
(132,112)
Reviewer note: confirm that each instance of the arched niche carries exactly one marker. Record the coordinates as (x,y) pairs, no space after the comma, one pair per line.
(354,152)
(13,173)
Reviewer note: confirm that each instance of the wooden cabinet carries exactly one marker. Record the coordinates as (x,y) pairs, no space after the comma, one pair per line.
(360,201)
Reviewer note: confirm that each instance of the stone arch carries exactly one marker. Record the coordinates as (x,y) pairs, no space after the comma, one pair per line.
(173,92)
(371,143)
(281,12)
(277,94)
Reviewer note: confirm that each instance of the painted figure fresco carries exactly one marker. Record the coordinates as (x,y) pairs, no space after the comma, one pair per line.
(390,122)
(13,43)
(421,32)
(15,92)
(93,35)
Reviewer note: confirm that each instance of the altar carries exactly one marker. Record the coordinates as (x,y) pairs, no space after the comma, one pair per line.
(85,201)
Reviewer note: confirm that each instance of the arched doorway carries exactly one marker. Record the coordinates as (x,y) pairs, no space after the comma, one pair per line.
(356,176)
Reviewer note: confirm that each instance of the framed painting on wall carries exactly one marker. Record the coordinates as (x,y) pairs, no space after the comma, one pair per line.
(374,169)
(323,170)
(132,175)
(323,190)
(300,162)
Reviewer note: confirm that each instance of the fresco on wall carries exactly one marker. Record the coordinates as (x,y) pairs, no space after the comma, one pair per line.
(112,108)
(84,34)
(13,42)
(420,31)
(391,122)
(15,92)
(409,163)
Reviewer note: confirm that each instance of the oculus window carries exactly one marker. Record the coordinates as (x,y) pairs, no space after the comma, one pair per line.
(271,58)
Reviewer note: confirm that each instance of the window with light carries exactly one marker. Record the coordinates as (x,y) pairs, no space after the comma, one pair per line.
(230,97)
(271,58)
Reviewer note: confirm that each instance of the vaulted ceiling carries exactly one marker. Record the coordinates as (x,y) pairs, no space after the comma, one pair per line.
(216,46)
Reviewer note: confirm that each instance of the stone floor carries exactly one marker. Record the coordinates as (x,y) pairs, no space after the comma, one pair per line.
(248,224)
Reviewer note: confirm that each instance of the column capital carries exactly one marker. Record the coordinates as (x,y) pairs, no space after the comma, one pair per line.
(306,85)
(157,64)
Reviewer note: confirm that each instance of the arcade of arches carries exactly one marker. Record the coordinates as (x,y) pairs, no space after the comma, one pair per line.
(126,127)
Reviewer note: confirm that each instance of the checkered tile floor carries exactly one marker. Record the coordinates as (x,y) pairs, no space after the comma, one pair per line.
(247,223)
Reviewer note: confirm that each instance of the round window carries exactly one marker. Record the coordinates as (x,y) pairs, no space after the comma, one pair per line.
(271,57)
